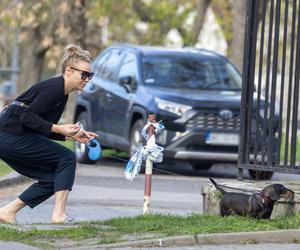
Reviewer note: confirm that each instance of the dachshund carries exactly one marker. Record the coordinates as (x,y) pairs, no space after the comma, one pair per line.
(258,205)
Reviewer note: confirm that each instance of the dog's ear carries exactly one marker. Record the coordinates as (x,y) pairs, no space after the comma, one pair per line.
(274,191)
(273,196)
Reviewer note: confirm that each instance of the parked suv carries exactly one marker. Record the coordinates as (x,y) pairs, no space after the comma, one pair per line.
(195,92)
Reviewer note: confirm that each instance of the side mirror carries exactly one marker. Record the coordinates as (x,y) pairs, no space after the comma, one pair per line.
(128,82)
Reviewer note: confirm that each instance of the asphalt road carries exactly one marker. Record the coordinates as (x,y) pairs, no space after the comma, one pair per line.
(101,191)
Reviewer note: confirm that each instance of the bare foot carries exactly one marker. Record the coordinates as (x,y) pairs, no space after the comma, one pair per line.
(58,218)
(6,217)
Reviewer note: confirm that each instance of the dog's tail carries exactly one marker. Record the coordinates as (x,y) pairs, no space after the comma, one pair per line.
(217,186)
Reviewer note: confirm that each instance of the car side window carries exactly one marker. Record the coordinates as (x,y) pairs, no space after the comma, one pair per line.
(129,67)
(110,66)
(99,64)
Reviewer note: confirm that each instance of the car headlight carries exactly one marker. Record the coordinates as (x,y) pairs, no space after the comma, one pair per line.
(172,107)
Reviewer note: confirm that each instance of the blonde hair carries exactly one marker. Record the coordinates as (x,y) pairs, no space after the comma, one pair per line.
(73,54)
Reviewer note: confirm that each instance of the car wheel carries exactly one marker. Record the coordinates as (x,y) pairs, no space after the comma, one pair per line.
(198,165)
(136,138)
(260,175)
(81,150)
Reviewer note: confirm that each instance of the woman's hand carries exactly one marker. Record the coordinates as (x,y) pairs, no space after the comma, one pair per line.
(84,136)
(67,130)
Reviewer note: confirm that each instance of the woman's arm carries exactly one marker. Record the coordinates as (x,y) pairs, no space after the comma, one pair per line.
(67,130)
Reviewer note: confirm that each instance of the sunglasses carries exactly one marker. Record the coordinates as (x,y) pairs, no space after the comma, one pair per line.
(84,74)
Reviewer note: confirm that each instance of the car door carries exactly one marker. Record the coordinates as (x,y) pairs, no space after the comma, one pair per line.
(96,94)
(121,98)
(108,84)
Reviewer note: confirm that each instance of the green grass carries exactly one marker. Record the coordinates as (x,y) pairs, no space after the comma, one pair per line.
(105,153)
(50,238)
(142,227)
(68,144)
(282,150)
(4,168)
(114,153)
(199,224)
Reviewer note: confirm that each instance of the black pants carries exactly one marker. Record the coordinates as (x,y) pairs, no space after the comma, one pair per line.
(37,157)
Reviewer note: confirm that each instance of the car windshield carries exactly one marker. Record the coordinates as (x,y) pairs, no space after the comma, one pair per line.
(190,72)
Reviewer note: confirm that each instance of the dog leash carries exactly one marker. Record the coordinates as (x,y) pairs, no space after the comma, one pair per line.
(143,165)
(152,150)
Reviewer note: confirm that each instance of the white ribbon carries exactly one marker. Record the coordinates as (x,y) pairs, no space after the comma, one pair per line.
(158,127)
(151,151)
(133,166)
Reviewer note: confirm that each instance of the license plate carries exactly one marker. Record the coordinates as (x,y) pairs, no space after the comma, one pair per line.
(222,139)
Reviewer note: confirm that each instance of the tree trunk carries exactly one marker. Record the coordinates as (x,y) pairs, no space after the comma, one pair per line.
(33,53)
(31,62)
(236,47)
(77,22)
(202,6)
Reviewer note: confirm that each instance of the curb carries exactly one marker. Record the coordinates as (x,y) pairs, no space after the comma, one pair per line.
(278,236)
(11,179)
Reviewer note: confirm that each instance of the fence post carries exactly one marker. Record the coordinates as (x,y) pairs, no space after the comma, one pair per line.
(148,170)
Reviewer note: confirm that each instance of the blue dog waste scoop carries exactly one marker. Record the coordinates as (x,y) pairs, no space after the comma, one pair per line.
(94,150)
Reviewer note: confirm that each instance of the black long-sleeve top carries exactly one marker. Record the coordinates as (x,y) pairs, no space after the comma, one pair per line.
(46,101)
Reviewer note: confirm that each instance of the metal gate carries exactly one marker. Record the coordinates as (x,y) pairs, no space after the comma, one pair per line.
(269,135)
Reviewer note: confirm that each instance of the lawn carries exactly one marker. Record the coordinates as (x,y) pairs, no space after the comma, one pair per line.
(283,149)
(140,227)
(105,153)
(4,168)
(113,153)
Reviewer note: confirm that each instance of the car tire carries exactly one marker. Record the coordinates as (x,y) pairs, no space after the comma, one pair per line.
(198,165)
(136,138)
(260,175)
(81,150)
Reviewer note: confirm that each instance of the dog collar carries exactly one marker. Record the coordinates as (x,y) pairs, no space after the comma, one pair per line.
(265,198)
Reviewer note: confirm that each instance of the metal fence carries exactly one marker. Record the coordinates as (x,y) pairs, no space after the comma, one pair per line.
(270,96)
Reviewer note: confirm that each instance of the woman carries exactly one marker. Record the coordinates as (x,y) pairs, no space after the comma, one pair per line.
(28,124)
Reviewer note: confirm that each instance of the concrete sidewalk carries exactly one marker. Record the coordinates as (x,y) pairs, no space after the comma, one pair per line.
(279,236)
(12,178)
(102,193)
(255,238)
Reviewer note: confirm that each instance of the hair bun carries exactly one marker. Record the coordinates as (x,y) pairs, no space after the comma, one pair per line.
(72,54)
(72,49)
